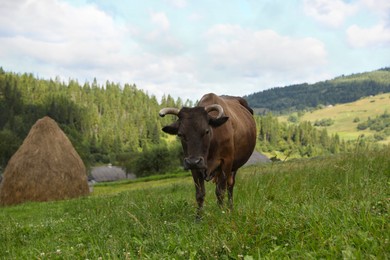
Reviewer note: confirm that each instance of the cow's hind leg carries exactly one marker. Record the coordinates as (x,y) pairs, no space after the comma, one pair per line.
(230,186)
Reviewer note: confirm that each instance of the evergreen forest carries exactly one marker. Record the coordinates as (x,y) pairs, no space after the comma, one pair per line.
(106,123)
(305,96)
(120,125)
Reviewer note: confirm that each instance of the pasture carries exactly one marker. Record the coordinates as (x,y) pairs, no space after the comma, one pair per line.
(332,207)
(344,115)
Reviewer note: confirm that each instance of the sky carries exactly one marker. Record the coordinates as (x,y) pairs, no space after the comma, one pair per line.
(187,48)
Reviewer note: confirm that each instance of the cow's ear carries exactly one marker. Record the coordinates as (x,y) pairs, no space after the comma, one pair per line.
(215,122)
(171,129)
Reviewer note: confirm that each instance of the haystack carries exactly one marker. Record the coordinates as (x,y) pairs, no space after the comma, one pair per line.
(45,167)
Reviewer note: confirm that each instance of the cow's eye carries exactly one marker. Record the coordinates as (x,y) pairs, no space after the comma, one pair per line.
(207,131)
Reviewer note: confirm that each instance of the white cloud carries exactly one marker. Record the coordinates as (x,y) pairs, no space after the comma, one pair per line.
(381,7)
(375,36)
(54,38)
(172,55)
(161,20)
(60,35)
(250,53)
(160,40)
(329,12)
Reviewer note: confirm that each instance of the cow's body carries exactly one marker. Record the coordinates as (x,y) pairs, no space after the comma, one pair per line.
(215,143)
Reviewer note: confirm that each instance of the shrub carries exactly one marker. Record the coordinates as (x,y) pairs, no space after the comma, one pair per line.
(377,126)
(293,118)
(156,160)
(324,122)
(379,136)
(362,126)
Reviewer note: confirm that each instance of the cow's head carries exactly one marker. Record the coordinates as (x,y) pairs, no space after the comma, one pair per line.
(194,127)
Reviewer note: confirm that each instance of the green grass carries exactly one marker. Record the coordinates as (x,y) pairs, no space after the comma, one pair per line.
(105,188)
(331,207)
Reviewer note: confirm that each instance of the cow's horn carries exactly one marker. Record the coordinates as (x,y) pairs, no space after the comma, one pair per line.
(215,107)
(168,111)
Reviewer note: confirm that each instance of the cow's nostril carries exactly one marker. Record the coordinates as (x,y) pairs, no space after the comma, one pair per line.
(193,163)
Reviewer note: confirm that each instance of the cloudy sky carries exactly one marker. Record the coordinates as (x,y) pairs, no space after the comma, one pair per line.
(187,48)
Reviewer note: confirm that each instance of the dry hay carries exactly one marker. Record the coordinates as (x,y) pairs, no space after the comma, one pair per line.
(45,167)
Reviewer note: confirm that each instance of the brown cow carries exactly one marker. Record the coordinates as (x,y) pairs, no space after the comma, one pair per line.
(218,137)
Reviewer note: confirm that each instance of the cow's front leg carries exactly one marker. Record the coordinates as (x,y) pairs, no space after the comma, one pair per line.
(220,189)
(200,191)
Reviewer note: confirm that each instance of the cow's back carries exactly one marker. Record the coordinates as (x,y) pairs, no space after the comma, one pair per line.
(238,134)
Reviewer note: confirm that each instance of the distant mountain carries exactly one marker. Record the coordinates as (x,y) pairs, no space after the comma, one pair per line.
(339,90)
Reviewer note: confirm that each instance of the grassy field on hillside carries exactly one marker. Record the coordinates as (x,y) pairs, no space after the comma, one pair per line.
(110,188)
(382,76)
(332,207)
(344,115)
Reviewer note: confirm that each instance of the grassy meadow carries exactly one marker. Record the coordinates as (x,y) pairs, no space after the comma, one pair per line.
(331,207)
(344,115)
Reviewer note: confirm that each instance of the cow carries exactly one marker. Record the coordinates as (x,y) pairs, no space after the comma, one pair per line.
(218,137)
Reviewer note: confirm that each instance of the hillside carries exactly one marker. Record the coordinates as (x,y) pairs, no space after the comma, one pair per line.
(106,123)
(339,90)
(333,207)
(119,124)
(346,117)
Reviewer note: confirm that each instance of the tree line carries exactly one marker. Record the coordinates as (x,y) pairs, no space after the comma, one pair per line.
(297,140)
(340,90)
(302,139)
(118,124)
(106,123)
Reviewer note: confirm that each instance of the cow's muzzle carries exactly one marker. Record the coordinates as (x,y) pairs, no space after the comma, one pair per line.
(191,163)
